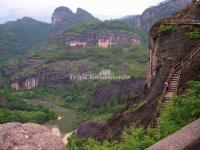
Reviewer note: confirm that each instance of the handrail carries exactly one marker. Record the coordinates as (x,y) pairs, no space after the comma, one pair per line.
(173,20)
(179,66)
(172,71)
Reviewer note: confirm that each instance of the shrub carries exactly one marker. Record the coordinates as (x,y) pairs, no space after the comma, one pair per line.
(176,113)
(193,35)
(166,28)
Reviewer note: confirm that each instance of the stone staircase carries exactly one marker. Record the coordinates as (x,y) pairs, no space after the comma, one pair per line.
(175,73)
(173,85)
(173,79)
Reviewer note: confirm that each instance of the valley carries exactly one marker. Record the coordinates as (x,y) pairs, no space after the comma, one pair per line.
(158,50)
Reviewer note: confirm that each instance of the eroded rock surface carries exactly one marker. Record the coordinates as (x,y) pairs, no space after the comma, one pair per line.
(89,128)
(121,90)
(29,136)
(166,49)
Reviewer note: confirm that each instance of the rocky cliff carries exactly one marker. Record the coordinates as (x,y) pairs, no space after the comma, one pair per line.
(64,17)
(153,14)
(121,90)
(104,35)
(169,45)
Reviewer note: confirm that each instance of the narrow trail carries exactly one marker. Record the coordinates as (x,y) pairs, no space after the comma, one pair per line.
(64,137)
(176,71)
(56,131)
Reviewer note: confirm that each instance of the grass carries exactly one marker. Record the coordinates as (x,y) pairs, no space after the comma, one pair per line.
(175,114)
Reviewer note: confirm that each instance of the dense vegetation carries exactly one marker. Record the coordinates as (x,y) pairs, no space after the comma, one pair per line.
(175,114)
(15,109)
(18,37)
(193,35)
(114,25)
(108,58)
(109,25)
(167,28)
(75,96)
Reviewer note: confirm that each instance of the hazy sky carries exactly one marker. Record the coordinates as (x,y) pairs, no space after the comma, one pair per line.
(43,9)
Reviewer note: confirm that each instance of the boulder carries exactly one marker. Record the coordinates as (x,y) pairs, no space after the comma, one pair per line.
(89,128)
(17,136)
(121,89)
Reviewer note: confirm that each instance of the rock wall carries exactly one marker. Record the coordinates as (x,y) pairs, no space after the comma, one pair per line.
(120,89)
(104,43)
(101,38)
(166,48)
(74,43)
(153,14)
(27,84)
(89,128)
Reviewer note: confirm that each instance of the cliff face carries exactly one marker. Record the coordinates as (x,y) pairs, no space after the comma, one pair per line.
(33,75)
(64,17)
(119,90)
(101,34)
(169,44)
(28,84)
(107,39)
(153,14)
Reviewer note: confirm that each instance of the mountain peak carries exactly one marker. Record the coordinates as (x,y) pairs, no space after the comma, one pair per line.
(81,11)
(64,17)
(63,9)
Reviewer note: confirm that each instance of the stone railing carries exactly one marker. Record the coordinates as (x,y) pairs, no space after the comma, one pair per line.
(190,20)
(187,138)
(193,56)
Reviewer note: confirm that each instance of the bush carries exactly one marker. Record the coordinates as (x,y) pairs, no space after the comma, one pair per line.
(193,35)
(166,28)
(176,113)
(14,109)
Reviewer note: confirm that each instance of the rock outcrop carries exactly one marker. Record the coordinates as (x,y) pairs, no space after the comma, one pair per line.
(153,14)
(167,48)
(17,136)
(28,84)
(89,128)
(121,90)
(64,17)
(101,37)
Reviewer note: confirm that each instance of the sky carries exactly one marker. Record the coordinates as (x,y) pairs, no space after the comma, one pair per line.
(42,9)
